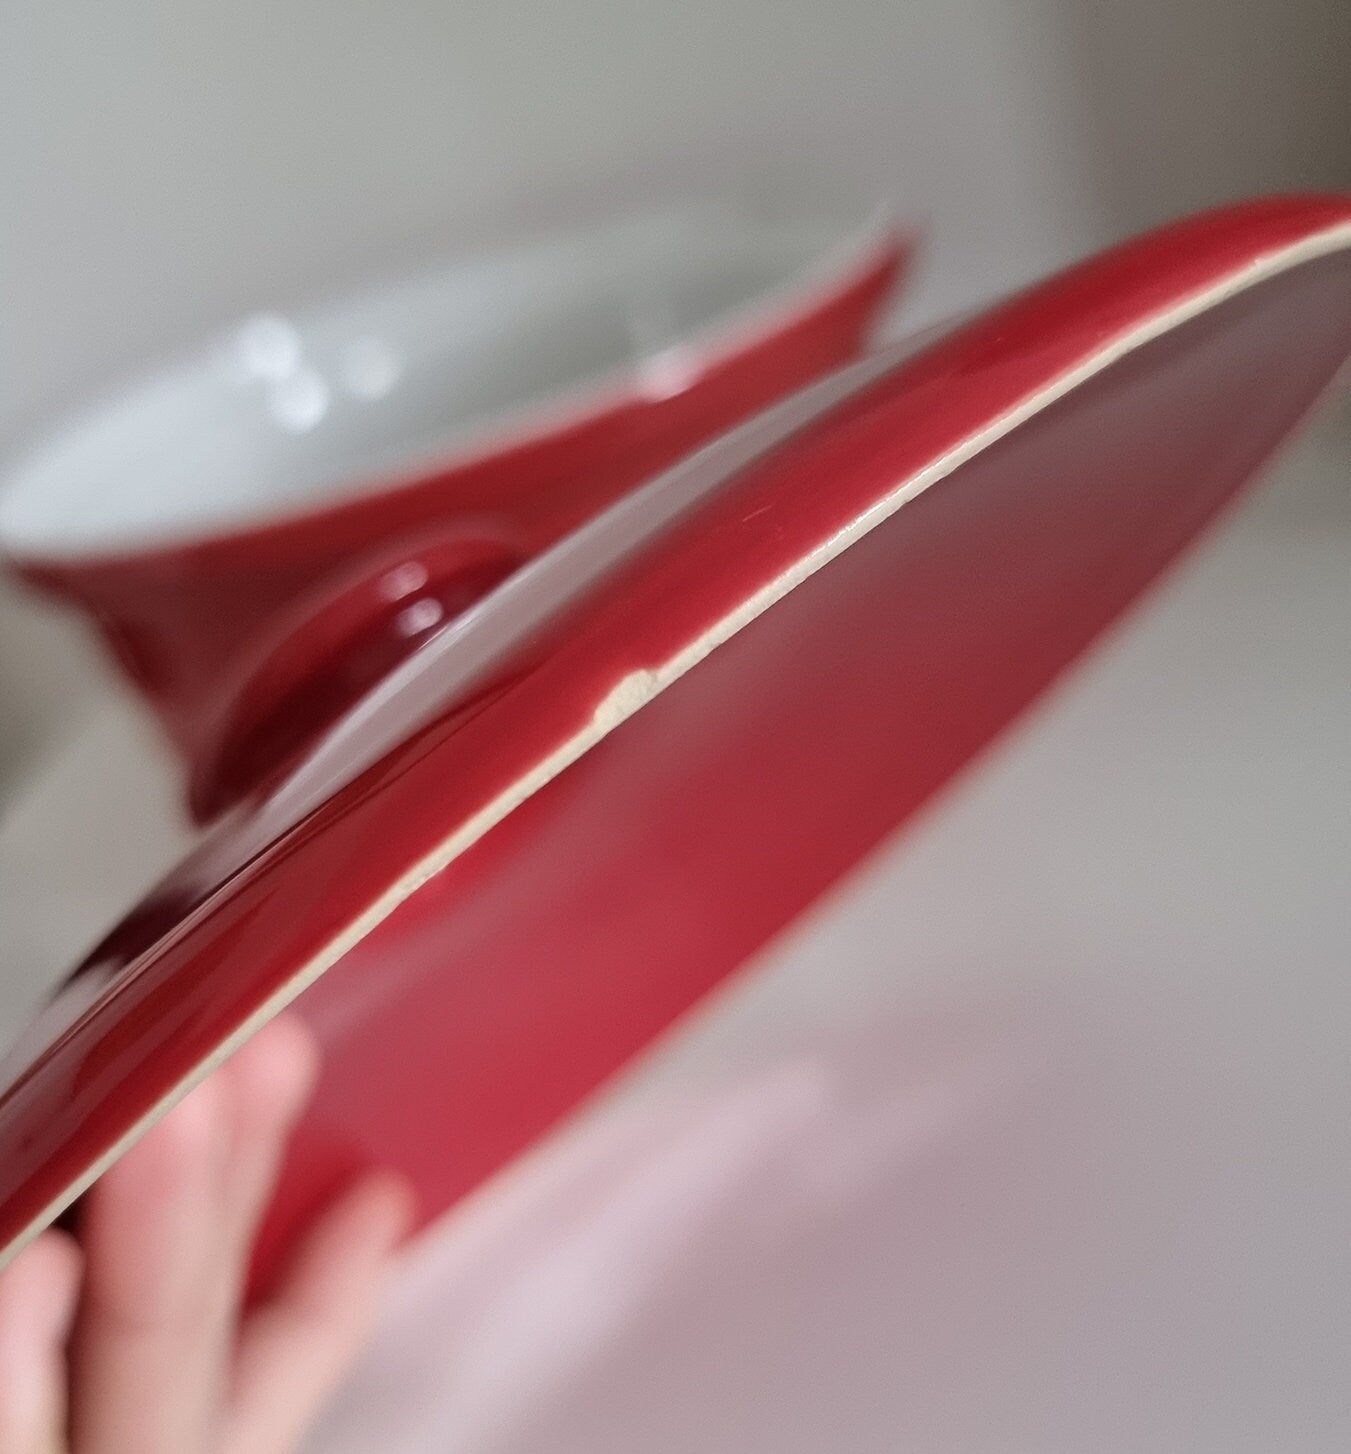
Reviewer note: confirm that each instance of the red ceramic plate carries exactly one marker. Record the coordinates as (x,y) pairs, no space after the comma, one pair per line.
(592,798)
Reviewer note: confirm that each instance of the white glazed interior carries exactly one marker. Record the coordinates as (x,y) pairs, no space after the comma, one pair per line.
(284,412)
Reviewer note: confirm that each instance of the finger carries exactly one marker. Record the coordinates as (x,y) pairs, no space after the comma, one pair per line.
(167,1235)
(271,1080)
(37,1302)
(295,1349)
(152,1231)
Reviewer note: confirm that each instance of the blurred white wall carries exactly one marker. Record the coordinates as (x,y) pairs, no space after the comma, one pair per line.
(167,164)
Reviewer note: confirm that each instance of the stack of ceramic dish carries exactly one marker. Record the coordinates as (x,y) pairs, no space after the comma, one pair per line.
(511,755)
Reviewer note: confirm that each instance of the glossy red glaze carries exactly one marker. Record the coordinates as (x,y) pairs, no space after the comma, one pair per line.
(186,621)
(341,640)
(512,981)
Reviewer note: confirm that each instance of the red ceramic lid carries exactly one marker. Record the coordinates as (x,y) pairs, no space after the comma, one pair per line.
(604,787)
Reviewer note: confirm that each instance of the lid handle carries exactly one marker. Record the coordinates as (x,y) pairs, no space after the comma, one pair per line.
(333,649)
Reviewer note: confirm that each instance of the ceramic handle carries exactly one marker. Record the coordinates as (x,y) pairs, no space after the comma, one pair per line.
(330,652)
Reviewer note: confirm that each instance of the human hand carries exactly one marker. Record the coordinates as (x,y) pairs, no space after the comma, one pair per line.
(134,1341)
